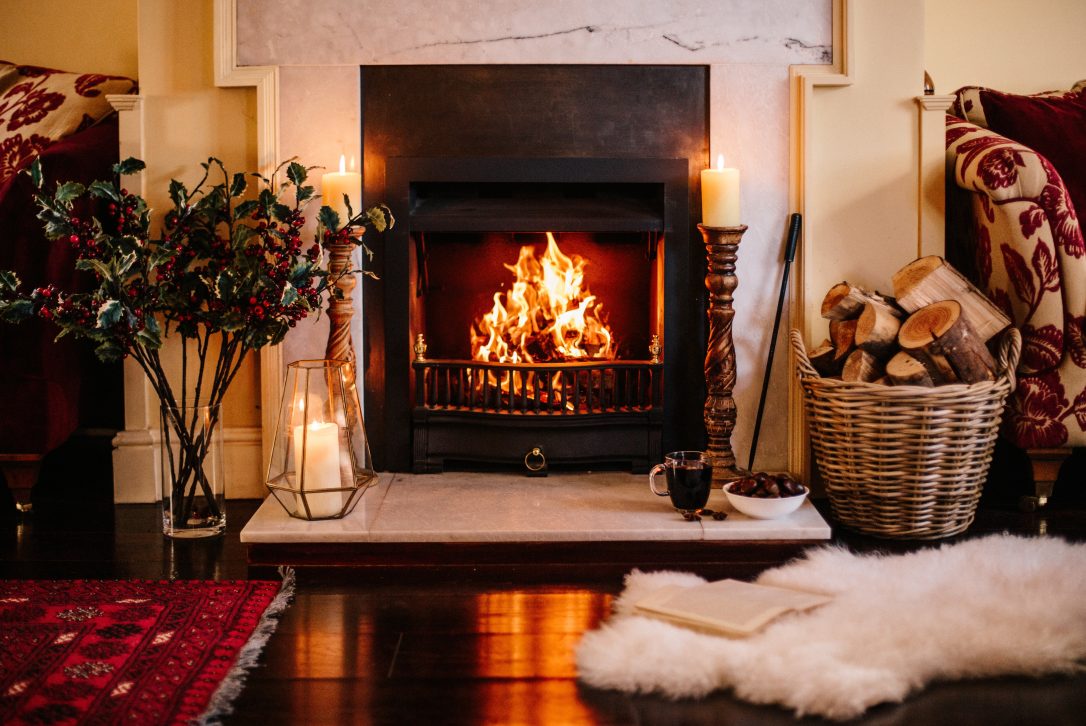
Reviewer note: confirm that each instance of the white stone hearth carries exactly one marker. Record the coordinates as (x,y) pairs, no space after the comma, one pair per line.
(472,507)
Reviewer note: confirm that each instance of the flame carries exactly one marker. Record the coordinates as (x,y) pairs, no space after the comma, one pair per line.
(548,315)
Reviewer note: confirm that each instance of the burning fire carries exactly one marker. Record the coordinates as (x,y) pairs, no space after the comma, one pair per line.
(547,316)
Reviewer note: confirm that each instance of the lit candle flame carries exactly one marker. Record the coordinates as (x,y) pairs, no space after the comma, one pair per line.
(719,162)
(343,163)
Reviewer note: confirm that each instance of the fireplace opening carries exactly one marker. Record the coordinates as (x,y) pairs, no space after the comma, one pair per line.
(487,173)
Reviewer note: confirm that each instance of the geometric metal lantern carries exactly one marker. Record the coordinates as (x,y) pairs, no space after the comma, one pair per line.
(320,461)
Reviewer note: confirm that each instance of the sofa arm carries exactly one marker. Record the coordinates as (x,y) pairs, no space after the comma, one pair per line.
(1027,243)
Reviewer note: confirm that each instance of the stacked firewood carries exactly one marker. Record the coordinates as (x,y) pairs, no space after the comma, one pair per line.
(933,331)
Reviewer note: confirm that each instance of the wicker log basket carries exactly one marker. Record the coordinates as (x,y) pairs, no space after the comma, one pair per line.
(905,462)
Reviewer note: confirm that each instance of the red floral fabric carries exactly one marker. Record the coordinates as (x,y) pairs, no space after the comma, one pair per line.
(114,652)
(39,106)
(1030,259)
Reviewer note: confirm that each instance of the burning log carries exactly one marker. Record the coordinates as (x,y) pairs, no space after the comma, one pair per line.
(547,316)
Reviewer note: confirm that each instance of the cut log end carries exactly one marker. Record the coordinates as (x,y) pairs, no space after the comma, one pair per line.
(941,330)
(861,366)
(906,370)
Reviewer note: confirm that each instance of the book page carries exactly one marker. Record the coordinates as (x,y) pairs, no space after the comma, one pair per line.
(730,606)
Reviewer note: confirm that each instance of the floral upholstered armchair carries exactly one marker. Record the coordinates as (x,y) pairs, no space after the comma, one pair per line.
(64,120)
(1016,172)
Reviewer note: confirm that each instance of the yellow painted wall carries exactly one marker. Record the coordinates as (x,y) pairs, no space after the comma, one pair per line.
(72,35)
(862,193)
(186,120)
(1005,44)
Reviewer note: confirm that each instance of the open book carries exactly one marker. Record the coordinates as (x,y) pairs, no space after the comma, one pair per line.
(729,607)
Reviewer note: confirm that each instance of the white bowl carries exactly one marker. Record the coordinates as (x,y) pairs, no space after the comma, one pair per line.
(767,508)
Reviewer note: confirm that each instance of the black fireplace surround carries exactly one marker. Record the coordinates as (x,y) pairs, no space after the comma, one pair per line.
(475,161)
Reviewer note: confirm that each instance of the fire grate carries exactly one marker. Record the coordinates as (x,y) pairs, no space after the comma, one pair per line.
(544,389)
(576,413)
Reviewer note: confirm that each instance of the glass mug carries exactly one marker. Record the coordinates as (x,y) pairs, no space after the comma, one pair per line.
(689,479)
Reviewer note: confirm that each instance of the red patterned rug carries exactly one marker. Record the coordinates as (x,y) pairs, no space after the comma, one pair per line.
(135,652)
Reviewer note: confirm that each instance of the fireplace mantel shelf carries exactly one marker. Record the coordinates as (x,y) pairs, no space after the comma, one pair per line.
(582,516)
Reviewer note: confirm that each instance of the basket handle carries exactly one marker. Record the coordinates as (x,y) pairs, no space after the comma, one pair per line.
(803,363)
(1010,348)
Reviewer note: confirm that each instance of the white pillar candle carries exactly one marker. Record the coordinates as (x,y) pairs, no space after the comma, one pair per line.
(336,184)
(319,442)
(720,196)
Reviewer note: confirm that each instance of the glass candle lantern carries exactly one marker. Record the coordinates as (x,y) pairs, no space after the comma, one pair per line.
(320,463)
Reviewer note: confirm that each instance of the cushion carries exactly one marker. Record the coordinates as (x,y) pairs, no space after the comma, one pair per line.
(969,104)
(1053,126)
(39,106)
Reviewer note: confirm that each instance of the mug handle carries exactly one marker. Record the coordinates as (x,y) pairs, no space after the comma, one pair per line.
(652,480)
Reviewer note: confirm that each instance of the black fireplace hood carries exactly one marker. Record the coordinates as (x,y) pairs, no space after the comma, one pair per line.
(537,195)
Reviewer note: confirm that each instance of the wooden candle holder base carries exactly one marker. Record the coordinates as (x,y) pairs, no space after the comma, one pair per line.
(721,248)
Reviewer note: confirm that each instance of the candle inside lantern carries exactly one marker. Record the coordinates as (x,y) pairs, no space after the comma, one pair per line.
(720,196)
(334,185)
(316,456)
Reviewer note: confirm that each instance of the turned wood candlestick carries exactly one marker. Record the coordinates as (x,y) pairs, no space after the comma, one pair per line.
(721,249)
(340,311)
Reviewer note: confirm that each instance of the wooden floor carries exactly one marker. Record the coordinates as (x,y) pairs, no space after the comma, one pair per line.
(493,648)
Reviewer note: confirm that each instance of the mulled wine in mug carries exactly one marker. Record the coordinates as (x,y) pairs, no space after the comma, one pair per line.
(689,479)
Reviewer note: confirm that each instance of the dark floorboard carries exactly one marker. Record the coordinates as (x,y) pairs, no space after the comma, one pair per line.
(489,646)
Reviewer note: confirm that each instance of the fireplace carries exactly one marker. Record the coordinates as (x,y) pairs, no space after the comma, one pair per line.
(492,168)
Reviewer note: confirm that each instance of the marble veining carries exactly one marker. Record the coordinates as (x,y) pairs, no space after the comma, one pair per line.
(473,507)
(337,32)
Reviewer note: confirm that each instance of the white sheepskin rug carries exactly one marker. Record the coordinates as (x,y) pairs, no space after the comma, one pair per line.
(986,607)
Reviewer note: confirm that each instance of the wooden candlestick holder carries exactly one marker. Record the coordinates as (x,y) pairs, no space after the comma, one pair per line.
(722,251)
(341,310)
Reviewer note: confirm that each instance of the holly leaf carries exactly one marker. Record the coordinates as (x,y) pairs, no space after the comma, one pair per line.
(304,194)
(237,186)
(68,191)
(35,172)
(109,314)
(380,217)
(109,351)
(226,285)
(178,193)
(9,281)
(16,311)
(328,218)
(104,190)
(289,295)
(151,335)
(296,173)
(98,267)
(123,264)
(245,209)
(131,165)
(281,212)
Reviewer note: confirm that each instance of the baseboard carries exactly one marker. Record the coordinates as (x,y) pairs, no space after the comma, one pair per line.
(136,465)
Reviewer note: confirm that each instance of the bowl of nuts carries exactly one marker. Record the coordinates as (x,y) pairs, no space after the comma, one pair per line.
(766,496)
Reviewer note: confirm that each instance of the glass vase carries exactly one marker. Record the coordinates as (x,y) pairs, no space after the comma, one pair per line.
(192,481)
